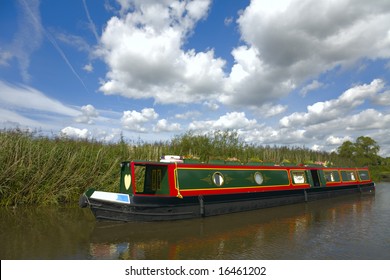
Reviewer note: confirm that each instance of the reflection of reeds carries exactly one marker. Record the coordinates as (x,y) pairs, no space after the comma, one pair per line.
(42,170)
(45,232)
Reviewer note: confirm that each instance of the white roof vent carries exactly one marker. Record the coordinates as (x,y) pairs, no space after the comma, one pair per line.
(171,158)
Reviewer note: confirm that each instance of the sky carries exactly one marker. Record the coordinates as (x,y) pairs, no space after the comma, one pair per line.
(300,73)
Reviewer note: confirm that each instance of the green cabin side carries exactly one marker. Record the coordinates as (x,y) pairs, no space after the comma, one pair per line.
(154,178)
(216,178)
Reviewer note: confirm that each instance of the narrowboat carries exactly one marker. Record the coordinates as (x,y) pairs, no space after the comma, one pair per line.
(175,188)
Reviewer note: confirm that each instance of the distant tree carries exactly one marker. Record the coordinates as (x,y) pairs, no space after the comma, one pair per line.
(363,152)
(347,150)
(366,146)
(366,150)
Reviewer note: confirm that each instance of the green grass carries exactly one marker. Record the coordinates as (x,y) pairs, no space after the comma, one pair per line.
(47,171)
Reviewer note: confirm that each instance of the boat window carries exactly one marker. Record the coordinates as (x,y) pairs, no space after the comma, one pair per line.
(140,171)
(348,175)
(218,179)
(156,179)
(332,176)
(364,175)
(258,178)
(298,177)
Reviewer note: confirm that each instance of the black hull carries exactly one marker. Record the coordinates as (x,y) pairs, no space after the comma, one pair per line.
(172,208)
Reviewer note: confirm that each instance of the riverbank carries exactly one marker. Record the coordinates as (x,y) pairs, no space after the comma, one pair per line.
(45,170)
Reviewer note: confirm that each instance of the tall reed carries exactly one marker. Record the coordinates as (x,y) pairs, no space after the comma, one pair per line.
(41,170)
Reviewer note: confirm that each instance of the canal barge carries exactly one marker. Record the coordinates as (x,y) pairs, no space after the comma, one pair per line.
(175,188)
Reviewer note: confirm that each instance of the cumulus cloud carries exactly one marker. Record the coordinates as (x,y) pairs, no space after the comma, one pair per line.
(367,120)
(313,37)
(143,48)
(73,132)
(332,109)
(135,121)
(232,120)
(337,120)
(88,68)
(144,51)
(88,112)
(211,105)
(270,110)
(335,140)
(382,99)
(163,126)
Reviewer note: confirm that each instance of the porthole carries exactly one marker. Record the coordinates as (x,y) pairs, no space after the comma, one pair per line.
(258,178)
(218,179)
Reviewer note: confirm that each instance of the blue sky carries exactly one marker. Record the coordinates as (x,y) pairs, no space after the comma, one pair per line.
(286,72)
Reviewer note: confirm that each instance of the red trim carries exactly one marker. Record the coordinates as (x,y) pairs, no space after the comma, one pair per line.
(216,191)
(176,192)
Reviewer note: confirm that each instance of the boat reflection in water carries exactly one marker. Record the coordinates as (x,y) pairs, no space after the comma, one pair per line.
(303,231)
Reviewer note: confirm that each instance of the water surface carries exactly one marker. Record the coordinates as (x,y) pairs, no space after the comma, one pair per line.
(349,227)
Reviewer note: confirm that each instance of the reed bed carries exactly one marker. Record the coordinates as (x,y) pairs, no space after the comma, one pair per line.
(43,170)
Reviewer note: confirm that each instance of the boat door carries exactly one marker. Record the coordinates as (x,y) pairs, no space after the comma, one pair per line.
(314,177)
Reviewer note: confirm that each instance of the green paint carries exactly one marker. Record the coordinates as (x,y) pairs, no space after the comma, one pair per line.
(151,179)
(232,178)
(125,171)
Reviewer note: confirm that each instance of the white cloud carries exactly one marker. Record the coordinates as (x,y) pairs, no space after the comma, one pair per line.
(143,48)
(232,120)
(88,68)
(188,115)
(73,132)
(367,120)
(228,21)
(88,112)
(144,52)
(163,126)
(335,140)
(330,110)
(382,99)
(313,37)
(5,56)
(135,121)
(310,87)
(28,37)
(270,110)
(317,147)
(24,97)
(211,105)
(77,42)
(11,119)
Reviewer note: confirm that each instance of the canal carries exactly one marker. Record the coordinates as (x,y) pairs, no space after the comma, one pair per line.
(350,227)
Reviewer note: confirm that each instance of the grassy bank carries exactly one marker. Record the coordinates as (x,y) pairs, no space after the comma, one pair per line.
(41,170)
